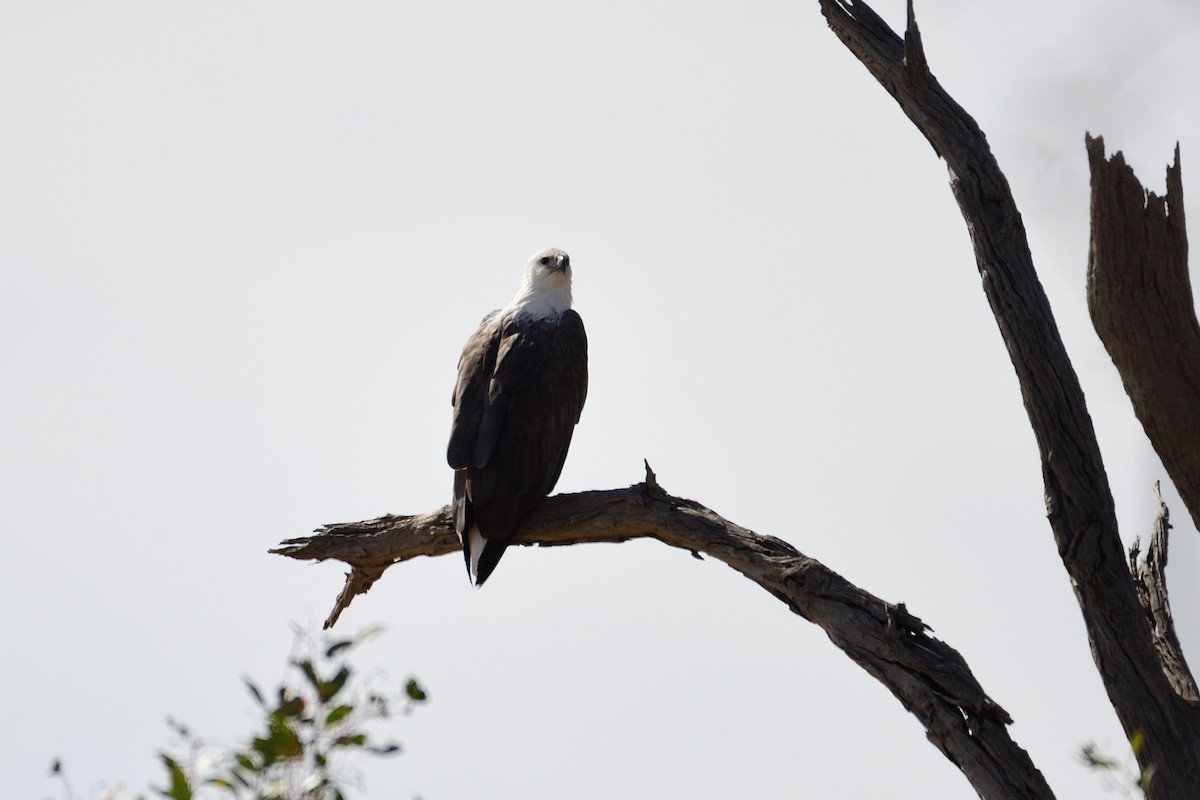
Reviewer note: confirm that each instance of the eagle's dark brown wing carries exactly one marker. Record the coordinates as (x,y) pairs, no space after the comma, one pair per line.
(521,388)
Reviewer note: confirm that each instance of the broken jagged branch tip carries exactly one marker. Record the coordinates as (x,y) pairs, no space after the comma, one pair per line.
(651,478)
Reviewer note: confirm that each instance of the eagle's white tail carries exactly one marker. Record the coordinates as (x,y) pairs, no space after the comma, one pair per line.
(476,543)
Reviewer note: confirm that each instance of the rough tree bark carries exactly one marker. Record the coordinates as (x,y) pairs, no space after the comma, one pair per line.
(1150,576)
(1141,686)
(1124,607)
(1140,299)
(927,676)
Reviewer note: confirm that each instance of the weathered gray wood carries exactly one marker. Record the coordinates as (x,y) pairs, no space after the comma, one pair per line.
(1078,501)
(1140,299)
(1150,575)
(926,675)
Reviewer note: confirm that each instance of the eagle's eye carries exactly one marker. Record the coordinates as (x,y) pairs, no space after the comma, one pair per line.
(544,260)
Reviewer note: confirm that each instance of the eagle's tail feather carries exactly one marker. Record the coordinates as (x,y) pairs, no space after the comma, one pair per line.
(485,555)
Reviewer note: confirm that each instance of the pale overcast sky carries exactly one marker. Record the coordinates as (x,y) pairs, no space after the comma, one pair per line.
(242,244)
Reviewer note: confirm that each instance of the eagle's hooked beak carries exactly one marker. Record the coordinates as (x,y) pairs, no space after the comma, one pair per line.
(562,262)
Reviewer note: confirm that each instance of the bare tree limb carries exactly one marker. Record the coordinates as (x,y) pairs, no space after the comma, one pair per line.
(926,675)
(1150,576)
(929,678)
(1078,501)
(1140,299)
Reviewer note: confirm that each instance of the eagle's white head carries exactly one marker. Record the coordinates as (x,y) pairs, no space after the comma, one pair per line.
(546,288)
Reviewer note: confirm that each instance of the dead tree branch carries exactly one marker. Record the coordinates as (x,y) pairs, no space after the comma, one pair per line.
(926,675)
(1140,299)
(1130,645)
(1078,500)
(1150,577)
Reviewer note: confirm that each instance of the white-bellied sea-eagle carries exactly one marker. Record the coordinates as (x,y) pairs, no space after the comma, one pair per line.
(522,380)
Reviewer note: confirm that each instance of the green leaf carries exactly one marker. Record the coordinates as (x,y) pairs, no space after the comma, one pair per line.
(385,750)
(415,692)
(258,698)
(1145,779)
(338,647)
(280,744)
(241,780)
(289,708)
(181,788)
(329,689)
(338,714)
(306,666)
(1092,756)
(355,740)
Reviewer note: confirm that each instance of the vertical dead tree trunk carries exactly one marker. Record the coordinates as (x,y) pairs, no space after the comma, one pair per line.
(1140,299)
(1152,701)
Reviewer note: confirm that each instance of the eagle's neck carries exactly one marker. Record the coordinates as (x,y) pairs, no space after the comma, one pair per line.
(542,302)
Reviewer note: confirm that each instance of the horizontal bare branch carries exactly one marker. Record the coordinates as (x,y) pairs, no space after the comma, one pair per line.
(929,677)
